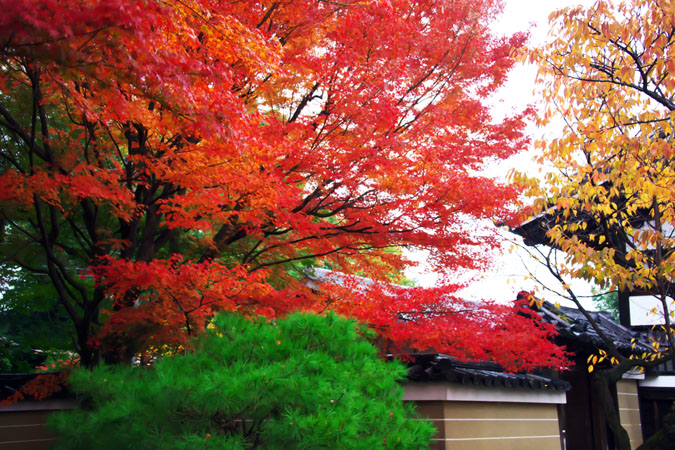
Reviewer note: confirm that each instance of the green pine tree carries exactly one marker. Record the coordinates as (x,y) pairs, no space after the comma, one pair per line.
(304,382)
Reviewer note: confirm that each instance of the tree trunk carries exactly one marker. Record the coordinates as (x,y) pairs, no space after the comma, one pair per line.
(664,438)
(601,383)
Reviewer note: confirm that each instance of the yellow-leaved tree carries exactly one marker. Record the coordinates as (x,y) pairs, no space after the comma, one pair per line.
(608,201)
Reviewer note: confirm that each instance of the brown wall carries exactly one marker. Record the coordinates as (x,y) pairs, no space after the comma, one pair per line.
(493,425)
(434,410)
(584,419)
(24,426)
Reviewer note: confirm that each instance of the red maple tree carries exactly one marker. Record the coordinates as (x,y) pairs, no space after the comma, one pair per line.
(163,159)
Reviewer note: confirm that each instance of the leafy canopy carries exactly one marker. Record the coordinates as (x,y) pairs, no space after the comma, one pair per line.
(305,382)
(608,75)
(609,203)
(165,159)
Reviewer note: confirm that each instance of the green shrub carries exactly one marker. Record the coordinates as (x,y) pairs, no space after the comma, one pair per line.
(306,382)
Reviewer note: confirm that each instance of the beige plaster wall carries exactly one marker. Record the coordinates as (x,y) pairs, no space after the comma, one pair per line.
(629,410)
(493,425)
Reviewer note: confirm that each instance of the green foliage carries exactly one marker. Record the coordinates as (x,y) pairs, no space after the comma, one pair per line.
(609,301)
(304,382)
(33,325)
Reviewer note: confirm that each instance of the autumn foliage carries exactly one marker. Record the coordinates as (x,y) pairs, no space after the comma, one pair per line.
(162,160)
(608,201)
(609,75)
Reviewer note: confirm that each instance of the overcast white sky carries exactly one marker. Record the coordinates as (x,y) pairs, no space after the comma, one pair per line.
(509,274)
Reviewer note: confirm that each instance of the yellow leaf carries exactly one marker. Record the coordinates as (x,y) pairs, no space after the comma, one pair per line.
(590,369)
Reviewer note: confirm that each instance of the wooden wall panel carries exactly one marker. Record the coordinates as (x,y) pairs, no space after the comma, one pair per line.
(25,430)
(493,425)
(23,425)
(532,443)
(501,410)
(433,410)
